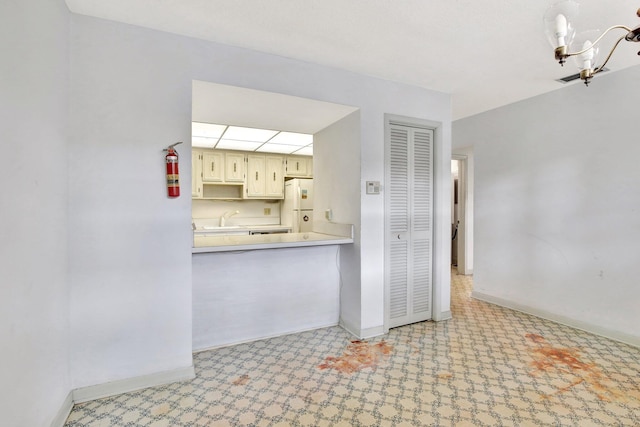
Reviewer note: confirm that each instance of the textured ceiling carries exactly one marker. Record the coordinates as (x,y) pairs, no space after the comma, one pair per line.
(485,53)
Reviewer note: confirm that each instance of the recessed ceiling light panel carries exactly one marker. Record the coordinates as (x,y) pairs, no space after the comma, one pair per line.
(249,134)
(202,142)
(277,148)
(291,138)
(231,144)
(207,130)
(305,151)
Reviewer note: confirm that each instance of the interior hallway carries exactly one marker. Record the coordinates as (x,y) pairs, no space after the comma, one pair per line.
(488,366)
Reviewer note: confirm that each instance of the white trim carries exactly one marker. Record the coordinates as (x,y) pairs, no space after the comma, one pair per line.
(265,337)
(466,156)
(363,334)
(442,316)
(63,412)
(441,243)
(577,324)
(372,332)
(349,328)
(98,391)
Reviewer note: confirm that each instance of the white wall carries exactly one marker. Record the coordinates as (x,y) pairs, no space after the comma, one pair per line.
(557,230)
(34,369)
(337,187)
(130,246)
(246,296)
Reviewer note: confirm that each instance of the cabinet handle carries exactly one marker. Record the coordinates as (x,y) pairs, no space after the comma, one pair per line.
(213,167)
(297,166)
(274,176)
(256,175)
(234,166)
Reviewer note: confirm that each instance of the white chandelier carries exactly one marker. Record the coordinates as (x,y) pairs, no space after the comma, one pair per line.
(559,26)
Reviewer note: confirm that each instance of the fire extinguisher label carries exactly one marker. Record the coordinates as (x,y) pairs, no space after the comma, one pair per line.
(172,180)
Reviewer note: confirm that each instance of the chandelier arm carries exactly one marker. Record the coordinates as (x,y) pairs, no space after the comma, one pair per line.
(597,70)
(623,27)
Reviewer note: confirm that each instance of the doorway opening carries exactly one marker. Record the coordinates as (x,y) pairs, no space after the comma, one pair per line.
(462,212)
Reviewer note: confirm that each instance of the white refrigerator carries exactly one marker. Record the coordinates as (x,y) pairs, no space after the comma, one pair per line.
(297,208)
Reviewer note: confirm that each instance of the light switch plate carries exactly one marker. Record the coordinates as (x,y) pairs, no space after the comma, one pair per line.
(373,187)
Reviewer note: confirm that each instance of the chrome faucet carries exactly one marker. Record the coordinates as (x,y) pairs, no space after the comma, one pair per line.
(225,216)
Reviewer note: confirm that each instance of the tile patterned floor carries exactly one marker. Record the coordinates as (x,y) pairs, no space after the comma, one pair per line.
(488,366)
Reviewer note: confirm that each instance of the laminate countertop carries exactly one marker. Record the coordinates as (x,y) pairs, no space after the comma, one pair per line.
(323,234)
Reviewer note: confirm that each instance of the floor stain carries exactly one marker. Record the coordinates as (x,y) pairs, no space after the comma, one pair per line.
(445,375)
(567,363)
(358,355)
(160,410)
(241,380)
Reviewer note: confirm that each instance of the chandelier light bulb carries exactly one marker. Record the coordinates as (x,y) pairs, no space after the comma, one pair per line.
(558,22)
(587,57)
(584,41)
(561,30)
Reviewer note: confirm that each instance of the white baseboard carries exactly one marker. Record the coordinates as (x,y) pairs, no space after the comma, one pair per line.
(261,338)
(577,324)
(98,391)
(63,413)
(362,334)
(376,331)
(440,317)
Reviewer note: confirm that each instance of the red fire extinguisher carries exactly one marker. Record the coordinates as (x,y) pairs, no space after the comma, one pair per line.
(173,176)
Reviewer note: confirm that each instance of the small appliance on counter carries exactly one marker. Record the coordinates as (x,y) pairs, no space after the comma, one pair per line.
(297,207)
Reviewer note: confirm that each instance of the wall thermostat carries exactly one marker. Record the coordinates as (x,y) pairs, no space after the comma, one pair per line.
(373,187)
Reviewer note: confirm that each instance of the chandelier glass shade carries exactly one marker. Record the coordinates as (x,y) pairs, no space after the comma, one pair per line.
(559,23)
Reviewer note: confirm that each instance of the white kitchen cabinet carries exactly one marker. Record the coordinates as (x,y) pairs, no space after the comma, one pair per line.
(212,166)
(234,167)
(196,174)
(299,166)
(274,177)
(265,177)
(208,177)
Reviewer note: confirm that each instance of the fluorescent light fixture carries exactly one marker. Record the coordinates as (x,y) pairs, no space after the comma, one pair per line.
(305,151)
(232,144)
(207,130)
(200,141)
(291,138)
(277,148)
(224,137)
(249,134)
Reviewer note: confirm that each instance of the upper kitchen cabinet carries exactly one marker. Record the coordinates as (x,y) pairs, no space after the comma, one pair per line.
(234,167)
(196,174)
(212,166)
(299,166)
(216,174)
(265,177)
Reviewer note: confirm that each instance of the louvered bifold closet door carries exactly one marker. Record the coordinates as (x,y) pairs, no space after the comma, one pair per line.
(409,216)
(398,212)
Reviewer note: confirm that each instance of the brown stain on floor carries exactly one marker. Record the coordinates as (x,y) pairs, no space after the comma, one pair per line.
(160,410)
(567,363)
(358,355)
(241,380)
